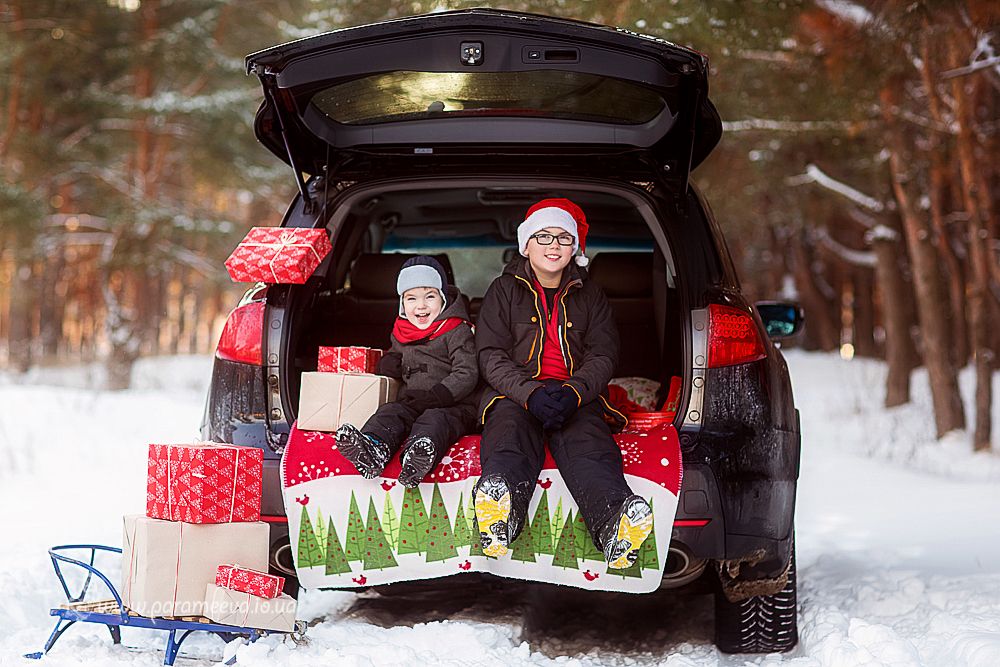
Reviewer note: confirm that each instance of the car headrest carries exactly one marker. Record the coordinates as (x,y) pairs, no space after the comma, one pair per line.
(373,275)
(623,274)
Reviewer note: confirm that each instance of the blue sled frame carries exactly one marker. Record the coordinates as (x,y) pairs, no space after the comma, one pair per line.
(114,615)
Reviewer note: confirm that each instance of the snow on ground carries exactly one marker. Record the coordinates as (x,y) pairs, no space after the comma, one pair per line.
(898,545)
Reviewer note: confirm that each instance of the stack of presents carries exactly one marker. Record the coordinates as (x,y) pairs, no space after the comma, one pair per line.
(201,549)
(344,389)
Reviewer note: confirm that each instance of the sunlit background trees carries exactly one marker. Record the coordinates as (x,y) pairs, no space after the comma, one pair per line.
(858,172)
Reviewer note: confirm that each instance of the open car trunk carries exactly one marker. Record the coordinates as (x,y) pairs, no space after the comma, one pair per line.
(453,88)
(470,226)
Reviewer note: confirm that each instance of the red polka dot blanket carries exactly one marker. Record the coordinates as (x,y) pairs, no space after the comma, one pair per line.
(347,531)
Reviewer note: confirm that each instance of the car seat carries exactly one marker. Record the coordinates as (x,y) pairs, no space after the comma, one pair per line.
(627,281)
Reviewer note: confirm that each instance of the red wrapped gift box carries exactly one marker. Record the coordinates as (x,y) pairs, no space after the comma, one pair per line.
(204,483)
(348,359)
(278,255)
(245,580)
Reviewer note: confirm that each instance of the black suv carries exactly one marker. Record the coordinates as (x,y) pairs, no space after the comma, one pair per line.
(433,135)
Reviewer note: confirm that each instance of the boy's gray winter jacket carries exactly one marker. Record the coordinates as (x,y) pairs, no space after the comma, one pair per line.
(449,359)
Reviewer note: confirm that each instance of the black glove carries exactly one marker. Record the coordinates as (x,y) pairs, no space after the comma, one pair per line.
(390,365)
(567,401)
(545,408)
(419,400)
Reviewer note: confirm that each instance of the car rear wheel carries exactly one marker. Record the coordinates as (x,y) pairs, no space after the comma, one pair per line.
(760,624)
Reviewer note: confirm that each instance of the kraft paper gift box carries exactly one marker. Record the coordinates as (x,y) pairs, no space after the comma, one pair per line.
(278,255)
(167,564)
(328,400)
(224,605)
(204,482)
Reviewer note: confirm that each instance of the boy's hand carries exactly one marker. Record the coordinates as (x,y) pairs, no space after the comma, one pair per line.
(567,402)
(545,408)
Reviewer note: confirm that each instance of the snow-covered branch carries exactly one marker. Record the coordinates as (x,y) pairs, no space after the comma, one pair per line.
(850,12)
(750,124)
(851,256)
(783,57)
(819,177)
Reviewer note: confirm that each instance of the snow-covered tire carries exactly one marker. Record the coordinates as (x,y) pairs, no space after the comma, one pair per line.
(760,624)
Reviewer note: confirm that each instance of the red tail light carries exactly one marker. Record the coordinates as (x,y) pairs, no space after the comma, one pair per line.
(732,337)
(241,337)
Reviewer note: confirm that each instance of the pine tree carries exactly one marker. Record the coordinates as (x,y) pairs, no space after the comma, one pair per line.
(310,553)
(321,532)
(464,536)
(377,553)
(541,527)
(440,539)
(355,537)
(557,522)
(412,523)
(648,557)
(470,513)
(390,522)
(565,552)
(336,559)
(523,548)
(585,549)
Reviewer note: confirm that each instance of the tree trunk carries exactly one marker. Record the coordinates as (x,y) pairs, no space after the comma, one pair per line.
(864,314)
(20,314)
(899,349)
(979,254)
(822,332)
(949,413)
(51,305)
(939,187)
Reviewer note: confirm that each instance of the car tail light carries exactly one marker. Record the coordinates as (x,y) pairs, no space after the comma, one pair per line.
(241,337)
(732,337)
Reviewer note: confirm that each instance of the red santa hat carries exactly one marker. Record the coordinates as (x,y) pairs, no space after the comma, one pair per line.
(560,213)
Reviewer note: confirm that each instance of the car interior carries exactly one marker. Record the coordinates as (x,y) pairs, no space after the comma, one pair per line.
(472,232)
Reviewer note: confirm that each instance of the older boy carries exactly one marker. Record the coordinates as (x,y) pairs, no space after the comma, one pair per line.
(547,346)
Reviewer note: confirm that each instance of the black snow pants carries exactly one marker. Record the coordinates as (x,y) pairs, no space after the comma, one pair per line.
(587,456)
(393,422)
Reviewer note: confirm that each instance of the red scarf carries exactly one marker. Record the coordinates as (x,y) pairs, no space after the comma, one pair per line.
(406,333)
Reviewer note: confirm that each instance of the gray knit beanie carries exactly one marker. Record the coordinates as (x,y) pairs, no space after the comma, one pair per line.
(421,271)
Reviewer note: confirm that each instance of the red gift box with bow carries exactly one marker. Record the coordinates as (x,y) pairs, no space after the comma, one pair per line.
(278,255)
(245,580)
(204,483)
(350,359)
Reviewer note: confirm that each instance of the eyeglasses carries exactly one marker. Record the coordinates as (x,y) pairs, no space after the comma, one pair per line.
(546,239)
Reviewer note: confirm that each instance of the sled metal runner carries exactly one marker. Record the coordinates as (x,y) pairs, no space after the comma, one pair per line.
(113,613)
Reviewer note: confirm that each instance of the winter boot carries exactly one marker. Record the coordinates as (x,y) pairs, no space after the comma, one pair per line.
(417,461)
(622,537)
(493,505)
(368,454)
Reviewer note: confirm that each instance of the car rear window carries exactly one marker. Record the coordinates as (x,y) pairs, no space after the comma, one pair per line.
(406,95)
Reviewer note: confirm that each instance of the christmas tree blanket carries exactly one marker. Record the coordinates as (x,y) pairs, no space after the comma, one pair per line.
(347,531)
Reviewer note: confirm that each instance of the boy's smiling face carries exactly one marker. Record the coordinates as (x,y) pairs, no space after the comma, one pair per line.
(548,261)
(421,305)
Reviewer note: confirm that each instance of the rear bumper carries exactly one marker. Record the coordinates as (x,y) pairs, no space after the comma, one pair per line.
(750,520)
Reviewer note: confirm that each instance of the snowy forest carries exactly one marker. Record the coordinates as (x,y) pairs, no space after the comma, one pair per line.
(857,174)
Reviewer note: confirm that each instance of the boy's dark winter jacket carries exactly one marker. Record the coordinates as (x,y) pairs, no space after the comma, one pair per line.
(510,331)
(449,359)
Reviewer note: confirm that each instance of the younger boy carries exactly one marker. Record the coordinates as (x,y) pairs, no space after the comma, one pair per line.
(433,353)
(547,346)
